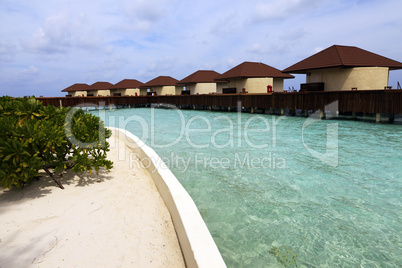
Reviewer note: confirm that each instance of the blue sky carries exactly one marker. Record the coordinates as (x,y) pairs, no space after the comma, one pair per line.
(46,46)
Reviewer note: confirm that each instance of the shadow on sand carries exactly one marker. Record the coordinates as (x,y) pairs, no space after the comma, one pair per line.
(46,185)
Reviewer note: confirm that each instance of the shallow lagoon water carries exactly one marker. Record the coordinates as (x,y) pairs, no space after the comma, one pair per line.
(274,193)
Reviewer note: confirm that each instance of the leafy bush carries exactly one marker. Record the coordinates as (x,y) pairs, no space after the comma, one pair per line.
(35,137)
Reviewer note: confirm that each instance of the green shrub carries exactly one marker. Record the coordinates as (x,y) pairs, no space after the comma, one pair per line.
(35,137)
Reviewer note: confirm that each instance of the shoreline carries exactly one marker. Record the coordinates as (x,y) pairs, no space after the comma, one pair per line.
(87,224)
(198,247)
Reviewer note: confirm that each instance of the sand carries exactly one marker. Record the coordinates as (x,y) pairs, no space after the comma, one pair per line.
(115,219)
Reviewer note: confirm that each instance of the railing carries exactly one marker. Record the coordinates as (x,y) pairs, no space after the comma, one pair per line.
(368,101)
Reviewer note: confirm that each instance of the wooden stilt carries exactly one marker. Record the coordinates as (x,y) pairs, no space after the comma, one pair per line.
(322,114)
(391,118)
(378,117)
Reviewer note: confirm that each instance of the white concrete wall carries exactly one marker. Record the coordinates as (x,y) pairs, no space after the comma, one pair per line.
(202,88)
(362,78)
(238,83)
(132,91)
(126,91)
(167,90)
(219,87)
(178,90)
(196,242)
(94,92)
(103,92)
(277,85)
(256,85)
(114,91)
(159,90)
(77,93)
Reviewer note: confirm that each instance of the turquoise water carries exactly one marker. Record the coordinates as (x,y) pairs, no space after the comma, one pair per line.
(275,194)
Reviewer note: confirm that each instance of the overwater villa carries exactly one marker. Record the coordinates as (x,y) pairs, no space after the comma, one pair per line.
(163,85)
(76,90)
(202,82)
(344,68)
(333,69)
(253,77)
(99,89)
(127,87)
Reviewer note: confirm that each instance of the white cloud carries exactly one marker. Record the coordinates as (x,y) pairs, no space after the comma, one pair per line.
(24,81)
(147,10)
(61,32)
(7,51)
(228,25)
(157,67)
(143,15)
(88,41)
(279,9)
(105,68)
(258,48)
(31,70)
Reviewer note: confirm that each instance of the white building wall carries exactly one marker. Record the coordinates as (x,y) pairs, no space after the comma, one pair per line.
(78,93)
(363,78)
(167,90)
(256,85)
(202,88)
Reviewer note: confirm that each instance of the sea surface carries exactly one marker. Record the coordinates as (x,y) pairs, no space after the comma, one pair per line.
(282,191)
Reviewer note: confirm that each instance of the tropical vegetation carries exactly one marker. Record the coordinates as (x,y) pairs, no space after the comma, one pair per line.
(35,138)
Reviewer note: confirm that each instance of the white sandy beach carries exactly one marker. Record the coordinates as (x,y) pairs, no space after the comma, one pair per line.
(116,219)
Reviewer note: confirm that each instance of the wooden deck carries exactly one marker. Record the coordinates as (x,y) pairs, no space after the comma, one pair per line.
(369,101)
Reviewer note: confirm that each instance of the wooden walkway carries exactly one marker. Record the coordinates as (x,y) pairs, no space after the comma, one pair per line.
(369,101)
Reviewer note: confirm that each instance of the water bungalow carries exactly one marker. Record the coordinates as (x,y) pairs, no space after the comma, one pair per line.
(344,68)
(253,77)
(202,82)
(76,90)
(127,87)
(354,78)
(163,85)
(99,89)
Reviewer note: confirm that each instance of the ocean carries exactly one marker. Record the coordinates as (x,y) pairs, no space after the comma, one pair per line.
(283,191)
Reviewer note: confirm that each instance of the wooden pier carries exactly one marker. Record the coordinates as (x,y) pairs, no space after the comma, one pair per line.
(369,101)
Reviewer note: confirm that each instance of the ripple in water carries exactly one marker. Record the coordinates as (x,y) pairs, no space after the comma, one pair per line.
(267,201)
